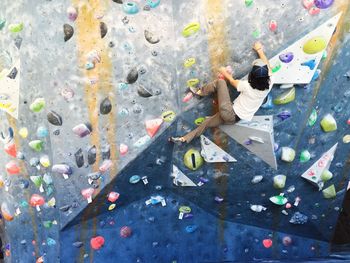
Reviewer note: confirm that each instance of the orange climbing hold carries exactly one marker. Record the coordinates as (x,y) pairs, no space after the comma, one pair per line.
(152,126)
(10,149)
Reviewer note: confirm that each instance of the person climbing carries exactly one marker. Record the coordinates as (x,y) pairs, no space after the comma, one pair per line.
(253,93)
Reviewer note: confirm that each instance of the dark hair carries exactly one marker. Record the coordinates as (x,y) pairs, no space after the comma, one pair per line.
(261,83)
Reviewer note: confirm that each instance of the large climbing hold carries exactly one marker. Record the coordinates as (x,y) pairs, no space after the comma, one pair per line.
(288,154)
(180,179)
(315,45)
(151,37)
(97,242)
(193,160)
(68,31)
(328,123)
(329,192)
(323,4)
(132,76)
(279,181)
(103,29)
(82,129)
(15,28)
(213,153)
(130,7)
(54,118)
(152,126)
(285,97)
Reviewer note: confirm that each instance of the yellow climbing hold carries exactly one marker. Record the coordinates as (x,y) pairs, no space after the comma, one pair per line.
(189,62)
(192,82)
(285,97)
(190,29)
(23,132)
(111,207)
(314,45)
(346,138)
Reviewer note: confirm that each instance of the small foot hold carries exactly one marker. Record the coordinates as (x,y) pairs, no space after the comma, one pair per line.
(176,139)
(197,92)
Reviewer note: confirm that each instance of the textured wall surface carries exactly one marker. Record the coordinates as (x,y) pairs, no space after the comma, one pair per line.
(55,69)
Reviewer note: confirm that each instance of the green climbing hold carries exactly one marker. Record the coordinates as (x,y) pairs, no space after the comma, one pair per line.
(278,200)
(279,181)
(326,175)
(37,180)
(185,209)
(193,160)
(36,145)
(47,224)
(329,192)
(248,3)
(288,154)
(192,82)
(305,156)
(276,68)
(285,97)
(189,62)
(256,33)
(328,123)
(314,45)
(37,105)
(2,23)
(190,29)
(199,121)
(313,118)
(325,54)
(15,28)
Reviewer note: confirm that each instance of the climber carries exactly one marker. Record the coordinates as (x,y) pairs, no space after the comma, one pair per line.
(252,95)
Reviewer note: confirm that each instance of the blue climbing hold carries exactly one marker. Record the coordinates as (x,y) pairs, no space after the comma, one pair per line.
(310,63)
(42,132)
(268,104)
(134,179)
(316,75)
(191,228)
(130,8)
(153,3)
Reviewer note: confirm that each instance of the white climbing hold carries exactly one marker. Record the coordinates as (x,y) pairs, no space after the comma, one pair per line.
(213,153)
(288,154)
(180,179)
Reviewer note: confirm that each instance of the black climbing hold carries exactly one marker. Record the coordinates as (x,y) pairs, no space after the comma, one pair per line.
(118,1)
(151,38)
(105,106)
(56,132)
(54,118)
(147,8)
(79,158)
(94,176)
(65,208)
(142,70)
(111,44)
(106,152)
(154,53)
(92,155)
(68,31)
(13,73)
(132,76)
(143,92)
(18,42)
(78,244)
(103,29)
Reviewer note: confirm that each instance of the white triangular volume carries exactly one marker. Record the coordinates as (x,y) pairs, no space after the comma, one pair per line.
(9,89)
(255,135)
(313,174)
(213,153)
(293,71)
(180,179)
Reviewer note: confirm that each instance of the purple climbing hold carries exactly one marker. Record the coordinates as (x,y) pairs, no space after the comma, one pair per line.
(286,57)
(219,199)
(82,129)
(323,4)
(284,115)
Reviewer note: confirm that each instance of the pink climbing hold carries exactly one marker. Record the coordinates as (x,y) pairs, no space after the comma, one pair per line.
(314,11)
(97,242)
(287,240)
(288,205)
(113,196)
(273,25)
(188,97)
(105,166)
(87,194)
(348,122)
(125,232)
(308,3)
(152,126)
(267,243)
(12,167)
(123,149)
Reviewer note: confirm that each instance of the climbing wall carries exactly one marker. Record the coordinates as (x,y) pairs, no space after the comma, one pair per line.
(103,84)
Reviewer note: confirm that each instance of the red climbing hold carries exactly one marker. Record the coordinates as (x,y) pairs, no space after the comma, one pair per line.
(12,168)
(273,25)
(348,122)
(152,126)
(97,242)
(267,243)
(10,149)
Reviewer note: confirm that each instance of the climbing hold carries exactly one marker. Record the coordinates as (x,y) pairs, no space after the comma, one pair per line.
(37,180)
(42,132)
(267,243)
(279,181)
(328,123)
(142,141)
(72,13)
(153,3)
(284,115)
(185,209)
(257,179)
(130,8)
(308,4)
(150,37)
(314,11)
(313,118)
(23,132)
(105,166)
(268,104)
(285,97)
(298,218)
(192,82)
(168,116)
(68,31)
(45,161)
(191,228)
(37,105)
(132,76)
(111,207)
(105,106)
(193,159)
(288,154)
(316,75)
(190,29)
(315,45)
(286,57)
(36,145)
(188,97)
(125,232)
(287,240)
(329,192)
(7,212)
(67,93)
(47,179)
(346,138)
(326,175)
(54,118)
(310,63)
(257,208)
(79,158)
(143,92)
(305,156)
(189,62)
(277,67)
(15,28)
(134,179)
(37,201)
(82,129)
(103,29)
(12,168)
(199,121)
(323,4)
(248,2)
(2,23)
(92,155)
(113,196)
(63,169)
(97,242)
(10,149)
(123,149)
(278,200)
(152,126)
(87,194)
(273,25)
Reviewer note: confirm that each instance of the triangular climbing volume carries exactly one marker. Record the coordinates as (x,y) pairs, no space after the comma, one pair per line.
(213,153)
(314,173)
(298,63)
(255,135)
(180,179)
(9,89)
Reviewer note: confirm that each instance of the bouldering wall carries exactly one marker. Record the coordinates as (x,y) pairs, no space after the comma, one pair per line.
(100,84)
